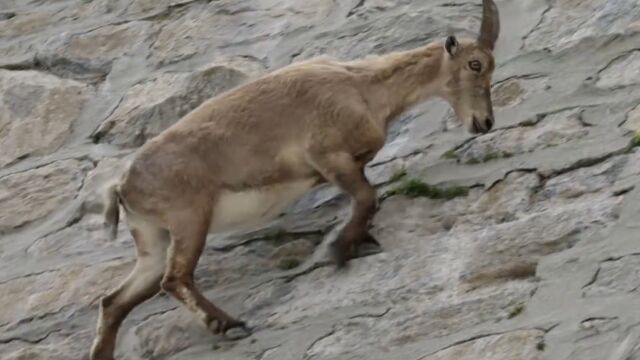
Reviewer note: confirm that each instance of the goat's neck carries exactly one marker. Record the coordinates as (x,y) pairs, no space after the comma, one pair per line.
(400,80)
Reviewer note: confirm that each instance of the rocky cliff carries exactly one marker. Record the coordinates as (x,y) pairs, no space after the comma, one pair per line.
(525,246)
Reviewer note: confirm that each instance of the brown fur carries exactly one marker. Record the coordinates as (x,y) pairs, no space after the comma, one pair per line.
(310,122)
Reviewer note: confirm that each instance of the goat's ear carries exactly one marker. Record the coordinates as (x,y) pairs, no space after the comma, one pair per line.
(451,45)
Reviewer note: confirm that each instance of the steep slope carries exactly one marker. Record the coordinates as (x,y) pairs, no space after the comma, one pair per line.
(538,258)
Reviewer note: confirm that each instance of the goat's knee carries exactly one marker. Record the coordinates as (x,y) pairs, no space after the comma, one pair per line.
(171,284)
(107,300)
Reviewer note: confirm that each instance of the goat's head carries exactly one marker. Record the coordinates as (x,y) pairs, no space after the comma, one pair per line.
(469,65)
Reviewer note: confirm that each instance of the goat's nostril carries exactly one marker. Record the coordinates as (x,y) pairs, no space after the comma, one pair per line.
(489,123)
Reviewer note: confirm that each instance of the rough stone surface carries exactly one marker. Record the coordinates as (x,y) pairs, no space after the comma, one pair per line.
(566,22)
(38,112)
(554,130)
(524,345)
(151,106)
(539,261)
(514,91)
(30,195)
(632,123)
(621,72)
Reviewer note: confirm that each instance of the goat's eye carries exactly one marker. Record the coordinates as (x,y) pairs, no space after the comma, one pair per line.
(475,65)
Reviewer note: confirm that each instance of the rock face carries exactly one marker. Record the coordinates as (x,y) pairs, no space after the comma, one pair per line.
(535,258)
(150,107)
(39,111)
(33,194)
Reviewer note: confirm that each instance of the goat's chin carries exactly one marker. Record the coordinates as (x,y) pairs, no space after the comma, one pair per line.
(470,129)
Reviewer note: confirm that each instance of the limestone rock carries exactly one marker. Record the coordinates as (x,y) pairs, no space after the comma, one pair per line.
(94,52)
(521,345)
(512,249)
(632,122)
(80,240)
(154,105)
(507,93)
(74,285)
(537,261)
(553,130)
(412,320)
(258,28)
(72,347)
(39,111)
(514,91)
(622,72)
(26,23)
(292,254)
(569,21)
(362,39)
(164,334)
(586,180)
(30,195)
(616,275)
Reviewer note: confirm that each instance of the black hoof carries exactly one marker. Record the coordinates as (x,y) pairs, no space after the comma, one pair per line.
(237,331)
(368,246)
(339,253)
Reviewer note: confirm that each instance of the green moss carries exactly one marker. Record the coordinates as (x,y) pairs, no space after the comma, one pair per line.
(635,140)
(451,154)
(515,310)
(289,263)
(490,156)
(398,175)
(417,188)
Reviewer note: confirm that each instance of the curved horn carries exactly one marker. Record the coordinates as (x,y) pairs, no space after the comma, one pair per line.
(490,28)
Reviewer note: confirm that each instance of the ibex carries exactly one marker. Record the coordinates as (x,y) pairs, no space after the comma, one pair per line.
(242,157)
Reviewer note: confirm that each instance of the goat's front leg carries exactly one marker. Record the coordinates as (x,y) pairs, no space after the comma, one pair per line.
(347,173)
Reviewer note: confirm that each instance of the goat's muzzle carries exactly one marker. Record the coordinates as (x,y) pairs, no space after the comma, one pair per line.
(482,126)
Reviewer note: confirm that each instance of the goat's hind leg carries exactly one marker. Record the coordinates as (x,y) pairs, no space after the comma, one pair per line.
(142,283)
(188,236)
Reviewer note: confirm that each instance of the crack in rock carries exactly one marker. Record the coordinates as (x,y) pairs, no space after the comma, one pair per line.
(317,340)
(615,60)
(536,75)
(30,341)
(266,351)
(371,316)
(355,8)
(593,279)
(585,162)
(157,313)
(537,25)
(485,335)
(455,4)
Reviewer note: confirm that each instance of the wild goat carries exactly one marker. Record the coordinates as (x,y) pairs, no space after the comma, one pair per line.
(240,158)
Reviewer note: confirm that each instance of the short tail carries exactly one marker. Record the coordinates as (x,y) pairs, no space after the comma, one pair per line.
(112,209)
